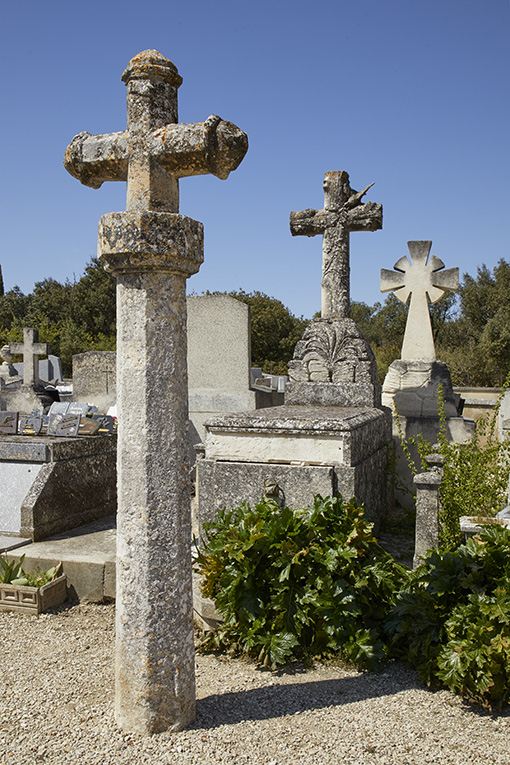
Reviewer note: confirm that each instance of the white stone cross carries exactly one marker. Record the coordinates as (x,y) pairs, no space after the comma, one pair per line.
(418,277)
(343,212)
(31,349)
(152,250)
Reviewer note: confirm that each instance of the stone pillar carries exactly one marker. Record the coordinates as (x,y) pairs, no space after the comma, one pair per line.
(155,687)
(427,513)
(151,249)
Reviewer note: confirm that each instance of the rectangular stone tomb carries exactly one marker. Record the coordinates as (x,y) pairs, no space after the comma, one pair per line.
(49,485)
(293,453)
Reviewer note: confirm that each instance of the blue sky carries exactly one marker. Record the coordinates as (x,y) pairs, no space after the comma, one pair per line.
(409,94)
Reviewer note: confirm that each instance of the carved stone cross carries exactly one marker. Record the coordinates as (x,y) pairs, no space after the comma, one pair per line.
(419,276)
(31,349)
(152,250)
(343,212)
(155,151)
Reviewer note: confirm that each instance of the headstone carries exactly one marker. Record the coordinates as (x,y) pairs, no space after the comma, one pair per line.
(219,362)
(152,250)
(330,435)
(333,365)
(8,423)
(50,369)
(412,383)
(31,349)
(95,378)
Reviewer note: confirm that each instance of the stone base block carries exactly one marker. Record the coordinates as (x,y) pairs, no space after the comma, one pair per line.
(51,485)
(412,387)
(292,453)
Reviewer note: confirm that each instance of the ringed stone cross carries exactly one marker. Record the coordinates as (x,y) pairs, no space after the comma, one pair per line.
(343,212)
(151,250)
(31,349)
(418,277)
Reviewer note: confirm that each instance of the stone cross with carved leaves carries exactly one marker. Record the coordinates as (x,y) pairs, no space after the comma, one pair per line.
(419,276)
(151,250)
(343,212)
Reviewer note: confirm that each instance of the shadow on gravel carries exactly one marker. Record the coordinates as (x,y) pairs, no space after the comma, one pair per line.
(290,699)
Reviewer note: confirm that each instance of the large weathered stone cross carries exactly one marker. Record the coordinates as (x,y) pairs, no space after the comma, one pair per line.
(31,349)
(152,249)
(155,151)
(419,276)
(343,212)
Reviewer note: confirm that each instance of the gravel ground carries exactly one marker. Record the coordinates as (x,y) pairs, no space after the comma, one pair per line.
(56,675)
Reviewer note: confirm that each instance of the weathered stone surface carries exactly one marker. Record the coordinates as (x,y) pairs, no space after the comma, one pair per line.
(418,277)
(151,250)
(95,378)
(343,212)
(412,386)
(227,484)
(351,441)
(427,513)
(31,349)
(333,365)
(49,485)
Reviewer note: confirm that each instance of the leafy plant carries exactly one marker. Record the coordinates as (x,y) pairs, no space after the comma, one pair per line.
(292,584)
(475,473)
(11,572)
(452,620)
(9,569)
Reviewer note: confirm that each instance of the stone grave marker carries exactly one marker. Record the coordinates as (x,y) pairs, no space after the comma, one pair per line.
(419,276)
(31,349)
(152,250)
(8,423)
(31,425)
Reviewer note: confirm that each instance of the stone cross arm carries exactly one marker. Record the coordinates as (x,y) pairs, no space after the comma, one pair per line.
(214,147)
(417,274)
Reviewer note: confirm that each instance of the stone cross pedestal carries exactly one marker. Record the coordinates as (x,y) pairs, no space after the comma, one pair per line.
(31,349)
(343,212)
(419,276)
(333,364)
(151,250)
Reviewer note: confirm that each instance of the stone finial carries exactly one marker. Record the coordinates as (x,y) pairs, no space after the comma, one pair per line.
(343,212)
(418,277)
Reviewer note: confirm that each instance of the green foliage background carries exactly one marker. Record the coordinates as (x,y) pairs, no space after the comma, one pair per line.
(471,328)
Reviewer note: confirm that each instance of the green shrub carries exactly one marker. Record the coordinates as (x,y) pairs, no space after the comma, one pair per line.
(292,584)
(475,473)
(452,621)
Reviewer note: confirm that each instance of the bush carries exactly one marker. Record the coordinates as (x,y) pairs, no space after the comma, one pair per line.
(292,584)
(452,621)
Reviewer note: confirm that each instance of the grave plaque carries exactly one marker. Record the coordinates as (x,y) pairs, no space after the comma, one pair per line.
(8,423)
(31,425)
(64,425)
(88,426)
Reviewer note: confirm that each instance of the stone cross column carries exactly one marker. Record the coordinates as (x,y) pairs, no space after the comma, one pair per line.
(419,276)
(151,249)
(343,212)
(31,349)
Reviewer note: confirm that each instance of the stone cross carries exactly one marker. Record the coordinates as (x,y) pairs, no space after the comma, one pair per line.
(151,250)
(418,277)
(31,349)
(343,212)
